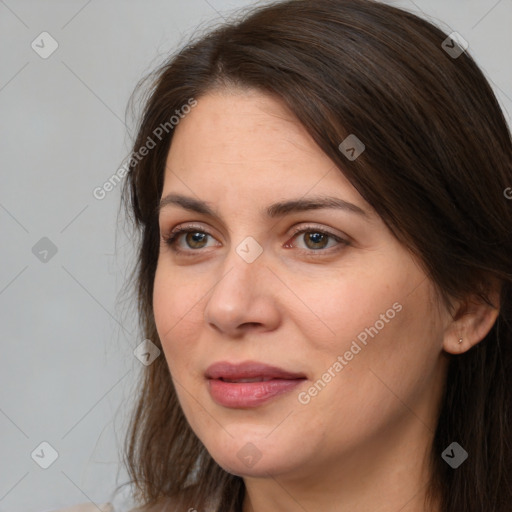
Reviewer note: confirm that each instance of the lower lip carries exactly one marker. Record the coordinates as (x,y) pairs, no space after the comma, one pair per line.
(249,394)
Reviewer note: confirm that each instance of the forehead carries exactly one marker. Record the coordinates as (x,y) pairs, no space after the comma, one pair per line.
(248,140)
(242,126)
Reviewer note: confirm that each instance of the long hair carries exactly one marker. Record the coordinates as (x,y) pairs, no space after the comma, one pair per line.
(436,168)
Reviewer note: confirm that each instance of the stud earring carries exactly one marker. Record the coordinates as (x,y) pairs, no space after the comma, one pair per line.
(460,340)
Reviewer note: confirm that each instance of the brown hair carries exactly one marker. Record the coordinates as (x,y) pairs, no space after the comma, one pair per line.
(437,161)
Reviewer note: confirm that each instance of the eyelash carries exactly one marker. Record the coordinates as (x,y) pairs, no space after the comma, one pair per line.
(171,239)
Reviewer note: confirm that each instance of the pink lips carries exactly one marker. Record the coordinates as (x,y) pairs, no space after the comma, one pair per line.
(248,384)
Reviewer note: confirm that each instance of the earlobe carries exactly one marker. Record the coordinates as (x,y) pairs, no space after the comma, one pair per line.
(471,324)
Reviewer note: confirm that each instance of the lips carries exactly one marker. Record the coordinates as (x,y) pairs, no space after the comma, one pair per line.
(253,379)
(249,372)
(249,384)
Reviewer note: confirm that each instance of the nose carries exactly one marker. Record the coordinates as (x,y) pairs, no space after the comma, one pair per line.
(243,298)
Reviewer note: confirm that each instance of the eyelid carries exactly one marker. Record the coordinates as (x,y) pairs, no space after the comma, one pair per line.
(182,227)
(321,229)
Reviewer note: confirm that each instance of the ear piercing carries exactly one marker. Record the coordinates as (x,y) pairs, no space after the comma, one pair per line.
(460,340)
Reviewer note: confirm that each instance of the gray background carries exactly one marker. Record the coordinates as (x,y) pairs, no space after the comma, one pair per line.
(68,372)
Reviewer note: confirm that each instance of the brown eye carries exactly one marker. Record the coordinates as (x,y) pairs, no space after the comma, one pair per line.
(316,240)
(194,239)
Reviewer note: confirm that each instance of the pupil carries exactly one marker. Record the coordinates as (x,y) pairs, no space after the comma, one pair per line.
(197,237)
(316,238)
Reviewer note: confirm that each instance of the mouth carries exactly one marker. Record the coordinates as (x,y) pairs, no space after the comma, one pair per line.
(249,371)
(249,384)
(254,379)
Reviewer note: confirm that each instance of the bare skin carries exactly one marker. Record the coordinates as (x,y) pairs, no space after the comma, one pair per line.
(361,442)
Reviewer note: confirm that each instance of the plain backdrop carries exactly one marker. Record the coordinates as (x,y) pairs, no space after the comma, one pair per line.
(67,365)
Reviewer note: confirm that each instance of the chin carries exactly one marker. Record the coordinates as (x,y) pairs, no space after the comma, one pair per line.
(254,456)
(260,469)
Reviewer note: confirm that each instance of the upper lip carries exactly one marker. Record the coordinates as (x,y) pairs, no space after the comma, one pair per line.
(248,370)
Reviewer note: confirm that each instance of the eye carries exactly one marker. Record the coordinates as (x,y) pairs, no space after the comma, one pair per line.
(316,239)
(195,238)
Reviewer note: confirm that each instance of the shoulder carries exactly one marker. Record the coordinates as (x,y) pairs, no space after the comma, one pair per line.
(87,507)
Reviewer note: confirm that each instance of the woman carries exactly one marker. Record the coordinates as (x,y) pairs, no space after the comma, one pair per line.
(325,263)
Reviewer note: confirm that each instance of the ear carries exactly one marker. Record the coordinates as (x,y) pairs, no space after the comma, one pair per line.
(471,322)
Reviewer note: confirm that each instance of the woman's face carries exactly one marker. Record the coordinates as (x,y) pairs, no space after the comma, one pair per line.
(326,295)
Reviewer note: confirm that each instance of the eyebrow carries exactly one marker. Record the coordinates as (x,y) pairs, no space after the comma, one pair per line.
(275,210)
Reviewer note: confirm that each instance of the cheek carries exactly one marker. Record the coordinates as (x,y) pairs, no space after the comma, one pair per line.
(164,304)
(381,322)
(399,357)
(176,307)
(334,311)
(395,366)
